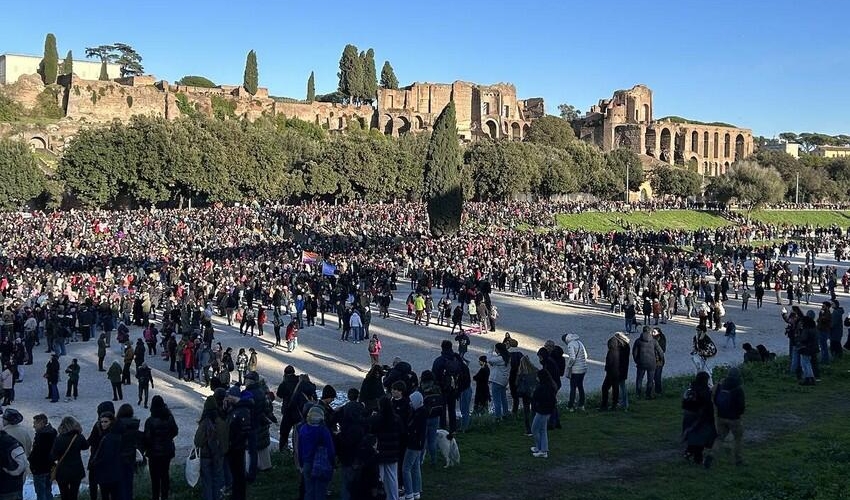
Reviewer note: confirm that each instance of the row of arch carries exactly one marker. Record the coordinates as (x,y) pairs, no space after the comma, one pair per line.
(672,147)
(512,130)
(400,125)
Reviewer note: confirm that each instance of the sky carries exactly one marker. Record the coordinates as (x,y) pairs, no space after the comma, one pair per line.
(771,66)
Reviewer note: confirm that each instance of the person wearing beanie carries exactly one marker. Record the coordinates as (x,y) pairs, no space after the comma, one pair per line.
(12,419)
(414,447)
(316,454)
(160,431)
(14,472)
(730,402)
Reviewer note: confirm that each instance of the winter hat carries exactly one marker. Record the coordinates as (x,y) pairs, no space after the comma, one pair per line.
(289,370)
(12,416)
(234,391)
(211,403)
(252,376)
(106,406)
(315,416)
(810,314)
(416,400)
(328,392)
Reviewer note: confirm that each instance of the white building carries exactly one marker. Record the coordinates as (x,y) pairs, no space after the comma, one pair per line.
(791,148)
(13,66)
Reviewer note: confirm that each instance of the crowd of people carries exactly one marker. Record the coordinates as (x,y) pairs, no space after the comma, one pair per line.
(79,276)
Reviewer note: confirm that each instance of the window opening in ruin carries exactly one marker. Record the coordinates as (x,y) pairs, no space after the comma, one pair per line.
(507,111)
(485,108)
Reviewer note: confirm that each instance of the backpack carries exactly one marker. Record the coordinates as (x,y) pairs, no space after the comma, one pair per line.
(723,402)
(240,427)
(322,467)
(434,404)
(450,381)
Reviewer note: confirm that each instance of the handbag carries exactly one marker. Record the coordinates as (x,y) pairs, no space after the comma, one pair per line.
(193,467)
(56,466)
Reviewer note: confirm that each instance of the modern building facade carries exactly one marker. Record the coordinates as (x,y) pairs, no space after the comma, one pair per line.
(13,66)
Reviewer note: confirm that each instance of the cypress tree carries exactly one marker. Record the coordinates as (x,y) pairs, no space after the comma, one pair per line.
(359,78)
(104,74)
(251,78)
(443,190)
(50,62)
(311,88)
(388,79)
(68,65)
(370,77)
(347,69)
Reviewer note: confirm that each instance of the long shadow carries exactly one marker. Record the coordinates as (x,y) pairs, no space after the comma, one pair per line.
(335,360)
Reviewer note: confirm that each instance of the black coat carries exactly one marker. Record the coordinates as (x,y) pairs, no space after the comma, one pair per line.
(40,461)
(389,434)
(543,400)
(416,425)
(160,431)
(71,468)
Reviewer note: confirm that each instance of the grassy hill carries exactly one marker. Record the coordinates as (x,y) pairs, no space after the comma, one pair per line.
(665,219)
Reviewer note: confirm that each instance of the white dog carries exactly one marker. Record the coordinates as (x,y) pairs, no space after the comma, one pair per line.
(448,448)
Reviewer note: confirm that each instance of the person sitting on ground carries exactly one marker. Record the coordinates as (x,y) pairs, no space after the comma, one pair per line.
(751,355)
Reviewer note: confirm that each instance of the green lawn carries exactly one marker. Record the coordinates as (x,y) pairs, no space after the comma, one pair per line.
(797,446)
(796,217)
(665,219)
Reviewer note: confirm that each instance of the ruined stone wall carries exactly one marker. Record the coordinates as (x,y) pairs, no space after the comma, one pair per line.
(25,91)
(101,101)
(332,116)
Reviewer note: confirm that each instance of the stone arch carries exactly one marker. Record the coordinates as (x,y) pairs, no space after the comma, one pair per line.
(716,169)
(516,132)
(492,129)
(725,167)
(621,137)
(403,125)
(388,125)
(666,153)
(647,114)
(342,123)
(694,141)
(420,123)
(506,129)
(727,139)
(649,139)
(716,145)
(739,147)
(705,144)
(704,166)
(38,142)
(525,129)
(679,148)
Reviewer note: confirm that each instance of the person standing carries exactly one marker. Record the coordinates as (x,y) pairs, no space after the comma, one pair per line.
(105,460)
(210,439)
(277,322)
(66,452)
(145,378)
(375,349)
(698,427)
(11,423)
(576,369)
(39,459)
(160,431)
(52,376)
(315,455)
(499,372)
(616,365)
(73,372)
(543,402)
(292,335)
(128,360)
(645,353)
(13,458)
(388,428)
(414,447)
(661,339)
(730,402)
(114,375)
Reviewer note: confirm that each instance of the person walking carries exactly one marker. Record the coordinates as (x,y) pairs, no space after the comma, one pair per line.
(67,447)
(160,431)
(241,365)
(145,378)
(39,459)
(389,430)
(292,335)
(129,354)
(730,402)
(114,375)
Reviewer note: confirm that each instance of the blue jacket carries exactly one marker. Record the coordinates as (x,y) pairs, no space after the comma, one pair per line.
(310,437)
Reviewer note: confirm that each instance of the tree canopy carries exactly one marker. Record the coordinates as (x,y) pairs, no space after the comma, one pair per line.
(388,78)
(675,181)
(20,178)
(748,183)
(311,88)
(551,131)
(250,78)
(50,61)
(568,112)
(443,190)
(196,81)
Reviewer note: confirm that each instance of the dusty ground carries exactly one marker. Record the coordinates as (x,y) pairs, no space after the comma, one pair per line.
(329,361)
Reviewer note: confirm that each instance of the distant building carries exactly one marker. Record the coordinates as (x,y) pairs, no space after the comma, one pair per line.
(13,66)
(791,148)
(626,121)
(832,151)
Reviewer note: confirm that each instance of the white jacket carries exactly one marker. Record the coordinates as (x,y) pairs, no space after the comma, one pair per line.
(576,355)
(499,370)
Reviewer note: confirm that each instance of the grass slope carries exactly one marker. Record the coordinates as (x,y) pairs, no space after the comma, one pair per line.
(796,447)
(664,219)
(798,217)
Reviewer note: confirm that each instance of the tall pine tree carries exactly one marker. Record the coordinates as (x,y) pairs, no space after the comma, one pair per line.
(370,78)
(443,190)
(311,88)
(68,64)
(347,72)
(388,79)
(251,78)
(360,81)
(50,62)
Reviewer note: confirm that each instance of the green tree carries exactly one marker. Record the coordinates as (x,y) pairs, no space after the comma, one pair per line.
(335,97)
(567,112)
(311,88)
(388,79)
(128,60)
(675,181)
(360,85)
(500,169)
(443,190)
(106,54)
(749,184)
(370,78)
(10,111)
(621,159)
(556,169)
(50,62)
(104,72)
(196,81)
(68,64)
(592,174)
(20,178)
(250,79)
(348,78)
(551,131)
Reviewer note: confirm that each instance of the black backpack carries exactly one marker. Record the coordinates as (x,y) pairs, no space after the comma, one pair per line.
(450,382)
(240,427)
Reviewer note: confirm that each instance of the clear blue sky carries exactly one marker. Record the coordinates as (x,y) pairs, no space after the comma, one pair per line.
(771,66)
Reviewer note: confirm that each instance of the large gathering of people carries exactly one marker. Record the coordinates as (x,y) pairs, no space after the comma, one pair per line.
(156,286)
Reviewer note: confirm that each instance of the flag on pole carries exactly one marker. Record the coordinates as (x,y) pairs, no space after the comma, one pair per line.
(328,269)
(309,257)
